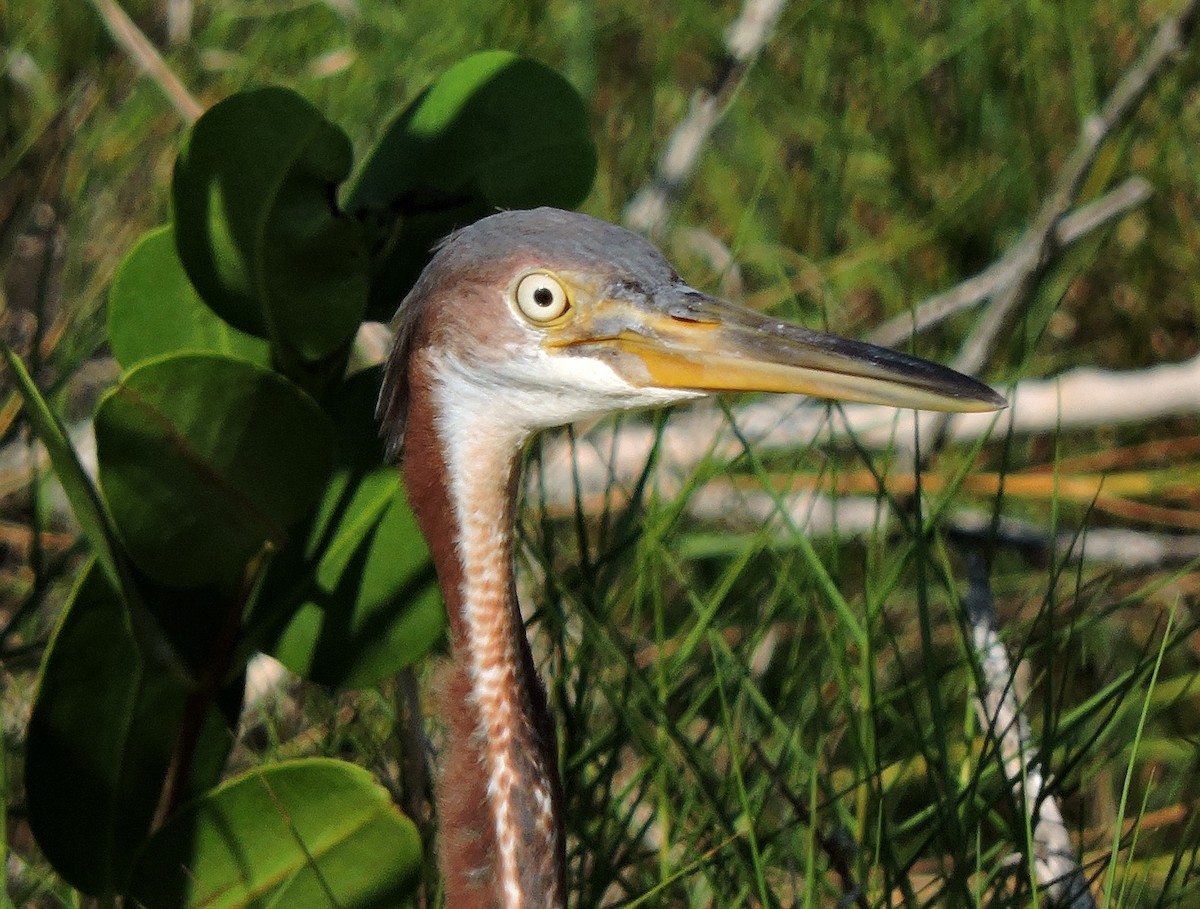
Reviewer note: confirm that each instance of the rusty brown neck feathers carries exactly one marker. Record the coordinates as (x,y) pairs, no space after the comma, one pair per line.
(499,795)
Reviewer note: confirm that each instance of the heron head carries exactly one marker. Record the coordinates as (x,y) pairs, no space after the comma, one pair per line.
(542,317)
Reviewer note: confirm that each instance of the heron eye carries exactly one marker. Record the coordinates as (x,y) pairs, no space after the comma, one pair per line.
(541,298)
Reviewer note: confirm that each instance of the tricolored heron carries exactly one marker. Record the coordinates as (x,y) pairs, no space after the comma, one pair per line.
(524,321)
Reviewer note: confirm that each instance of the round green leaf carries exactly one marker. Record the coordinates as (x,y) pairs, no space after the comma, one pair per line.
(154,310)
(507,129)
(362,600)
(309,834)
(257,228)
(494,131)
(373,606)
(206,461)
(104,724)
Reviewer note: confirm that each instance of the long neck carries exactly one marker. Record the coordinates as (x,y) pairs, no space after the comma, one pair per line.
(499,795)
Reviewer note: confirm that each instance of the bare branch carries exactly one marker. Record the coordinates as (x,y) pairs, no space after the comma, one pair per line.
(1116,109)
(1038,245)
(139,49)
(974,290)
(818,515)
(744,40)
(999,703)
(1132,550)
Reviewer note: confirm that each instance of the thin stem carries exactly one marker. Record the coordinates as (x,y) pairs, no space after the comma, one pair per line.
(139,49)
(1009,302)
(201,698)
(1000,705)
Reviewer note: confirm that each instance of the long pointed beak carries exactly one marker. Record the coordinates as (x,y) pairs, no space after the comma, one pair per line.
(690,341)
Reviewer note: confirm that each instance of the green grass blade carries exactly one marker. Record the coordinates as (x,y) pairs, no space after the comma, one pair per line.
(81,493)
(1131,768)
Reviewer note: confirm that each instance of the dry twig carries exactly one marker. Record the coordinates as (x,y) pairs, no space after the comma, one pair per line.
(816,514)
(1008,268)
(1038,247)
(139,49)
(744,41)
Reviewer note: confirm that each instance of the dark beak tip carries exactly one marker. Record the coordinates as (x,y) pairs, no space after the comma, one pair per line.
(994,398)
(987,396)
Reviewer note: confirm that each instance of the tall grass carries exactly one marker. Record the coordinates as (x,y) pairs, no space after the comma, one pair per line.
(739,703)
(713,701)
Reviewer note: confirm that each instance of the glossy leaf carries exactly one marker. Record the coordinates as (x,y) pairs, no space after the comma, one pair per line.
(154,310)
(93,518)
(205,462)
(362,600)
(104,724)
(494,131)
(373,606)
(309,833)
(257,229)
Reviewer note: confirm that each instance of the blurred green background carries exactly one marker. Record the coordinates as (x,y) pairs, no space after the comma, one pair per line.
(878,152)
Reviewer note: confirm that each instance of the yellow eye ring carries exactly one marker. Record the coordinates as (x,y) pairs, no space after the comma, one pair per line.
(541,298)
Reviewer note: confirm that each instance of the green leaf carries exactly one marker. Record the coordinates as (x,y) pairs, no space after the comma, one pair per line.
(494,131)
(362,600)
(154,310)
(257,228)
(104,724)
(93,519)
(207,461)
(309,833)
(508,130)
(373,606)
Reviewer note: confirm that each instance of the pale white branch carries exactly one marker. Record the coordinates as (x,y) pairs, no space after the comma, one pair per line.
(974,290)
(1120,104)
(999,703)
(744,40)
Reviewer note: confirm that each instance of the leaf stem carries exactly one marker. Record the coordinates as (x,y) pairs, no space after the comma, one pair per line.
(200,700)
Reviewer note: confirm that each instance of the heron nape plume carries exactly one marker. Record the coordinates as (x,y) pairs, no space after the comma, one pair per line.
(528,320)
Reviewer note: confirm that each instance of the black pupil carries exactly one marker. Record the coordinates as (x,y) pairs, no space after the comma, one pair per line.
(543,296)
